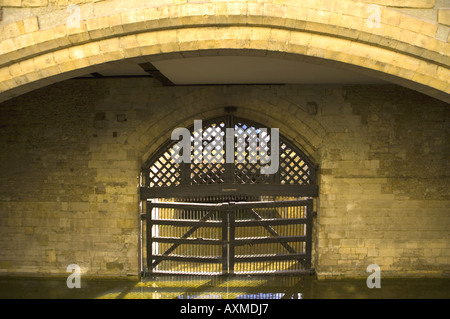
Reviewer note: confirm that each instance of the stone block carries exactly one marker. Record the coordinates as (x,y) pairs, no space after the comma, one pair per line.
(31,24)
(50,255)
(10,3)
(126,223)
(78,206)
(444,16)
(34,3)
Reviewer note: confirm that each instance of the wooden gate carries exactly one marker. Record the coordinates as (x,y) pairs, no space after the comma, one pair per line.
(261,237)
(220,216)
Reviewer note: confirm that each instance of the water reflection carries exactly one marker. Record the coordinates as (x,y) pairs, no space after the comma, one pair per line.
(237,287)
(198,287)
(269,295)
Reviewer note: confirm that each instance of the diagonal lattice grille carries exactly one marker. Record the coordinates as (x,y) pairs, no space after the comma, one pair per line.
(210,161)
(251,149)
(208,154)
(165,172)
(293,168)
(207,173)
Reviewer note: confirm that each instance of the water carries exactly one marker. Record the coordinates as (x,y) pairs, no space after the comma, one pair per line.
(237,287)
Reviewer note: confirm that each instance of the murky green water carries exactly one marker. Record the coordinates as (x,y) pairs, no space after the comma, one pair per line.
(263,287)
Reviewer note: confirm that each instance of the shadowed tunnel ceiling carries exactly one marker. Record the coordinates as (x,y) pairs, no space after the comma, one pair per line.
(240,70)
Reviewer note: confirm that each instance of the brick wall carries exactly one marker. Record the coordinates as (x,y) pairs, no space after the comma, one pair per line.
(71,152)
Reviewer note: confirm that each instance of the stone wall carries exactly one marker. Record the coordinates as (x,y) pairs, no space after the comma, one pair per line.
(384,198)
(71,156)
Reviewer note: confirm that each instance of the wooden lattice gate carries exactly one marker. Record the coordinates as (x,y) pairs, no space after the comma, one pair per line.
(229,238)
(221,217)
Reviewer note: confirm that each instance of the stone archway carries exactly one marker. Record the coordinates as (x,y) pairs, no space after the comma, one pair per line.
(212,198)
(333,34)
(345,136)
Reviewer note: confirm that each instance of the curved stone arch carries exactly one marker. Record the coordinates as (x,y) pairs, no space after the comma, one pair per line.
(406,53)
(307,133)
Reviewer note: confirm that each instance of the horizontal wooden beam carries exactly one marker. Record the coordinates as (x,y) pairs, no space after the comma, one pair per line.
(155,73)
(236,242)
(190,241)
(227,206)
(212,260)
(267,240)
(269,257)
(229,189)
(270,222)
(185,223)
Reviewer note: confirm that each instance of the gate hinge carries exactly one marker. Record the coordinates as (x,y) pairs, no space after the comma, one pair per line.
(143,216)
(314,214)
